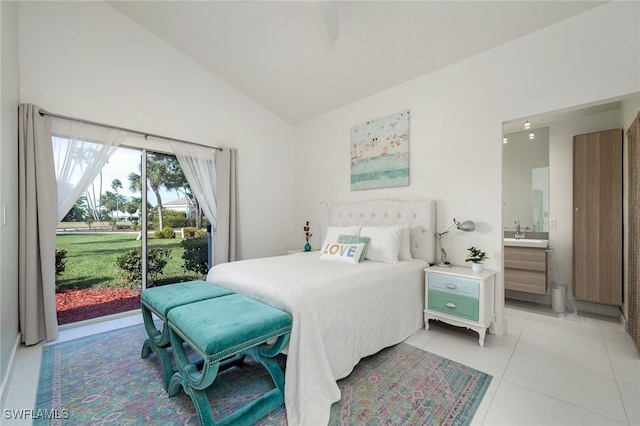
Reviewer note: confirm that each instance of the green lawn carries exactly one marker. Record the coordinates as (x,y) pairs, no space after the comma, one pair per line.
(91,259)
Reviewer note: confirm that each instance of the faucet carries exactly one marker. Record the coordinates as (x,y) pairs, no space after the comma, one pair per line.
(520,233)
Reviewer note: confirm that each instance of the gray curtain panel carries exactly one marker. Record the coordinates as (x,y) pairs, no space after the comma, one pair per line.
(224,245)
(633,139)
(37,227)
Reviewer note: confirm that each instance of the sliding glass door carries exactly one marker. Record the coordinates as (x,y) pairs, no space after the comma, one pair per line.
(136,225)
(98,235)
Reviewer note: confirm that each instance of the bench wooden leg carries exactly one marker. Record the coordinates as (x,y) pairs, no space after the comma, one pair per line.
(157,342)
(195,381)
(264,354)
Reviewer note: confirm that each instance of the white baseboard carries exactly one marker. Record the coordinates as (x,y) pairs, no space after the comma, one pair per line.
(572,304)
(99,319)
(7,377)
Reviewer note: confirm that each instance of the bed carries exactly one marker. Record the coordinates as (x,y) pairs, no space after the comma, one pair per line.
(341,312)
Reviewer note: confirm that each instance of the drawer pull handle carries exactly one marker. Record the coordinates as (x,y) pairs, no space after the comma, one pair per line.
(452,286)
(451,305)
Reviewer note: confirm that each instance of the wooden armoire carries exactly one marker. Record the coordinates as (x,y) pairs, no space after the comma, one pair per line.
(597,217)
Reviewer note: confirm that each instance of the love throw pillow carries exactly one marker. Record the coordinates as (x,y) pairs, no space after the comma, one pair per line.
(349,253)
(352,239)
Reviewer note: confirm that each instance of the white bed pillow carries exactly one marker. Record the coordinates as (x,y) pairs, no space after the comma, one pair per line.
(405,244)
(349,253)
(333,232)
(385,242)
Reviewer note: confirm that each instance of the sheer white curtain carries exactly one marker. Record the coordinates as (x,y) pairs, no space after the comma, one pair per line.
(199,167)
(80,151)
(211,173)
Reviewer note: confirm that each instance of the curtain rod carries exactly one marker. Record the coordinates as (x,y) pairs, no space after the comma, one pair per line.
(138,132)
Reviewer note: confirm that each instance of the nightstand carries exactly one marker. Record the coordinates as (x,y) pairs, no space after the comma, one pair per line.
(460,297)
(299,251)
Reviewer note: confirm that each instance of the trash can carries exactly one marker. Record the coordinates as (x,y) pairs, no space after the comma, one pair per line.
(558,297)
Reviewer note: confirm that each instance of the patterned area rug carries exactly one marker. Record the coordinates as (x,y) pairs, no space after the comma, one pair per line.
(101,379)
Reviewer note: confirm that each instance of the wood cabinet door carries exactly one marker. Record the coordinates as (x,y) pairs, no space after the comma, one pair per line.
(597,217)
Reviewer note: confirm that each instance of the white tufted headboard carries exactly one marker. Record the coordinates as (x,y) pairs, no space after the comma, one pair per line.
(419,214)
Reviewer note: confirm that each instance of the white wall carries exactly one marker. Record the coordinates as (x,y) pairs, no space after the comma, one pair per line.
(456,122)
(87,60)
(9,83)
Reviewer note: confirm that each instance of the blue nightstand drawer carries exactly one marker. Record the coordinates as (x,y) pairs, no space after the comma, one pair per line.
(454,285)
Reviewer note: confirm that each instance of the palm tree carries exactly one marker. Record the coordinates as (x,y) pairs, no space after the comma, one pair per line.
(115,184)
(156,171)
(157,167)
(134,182)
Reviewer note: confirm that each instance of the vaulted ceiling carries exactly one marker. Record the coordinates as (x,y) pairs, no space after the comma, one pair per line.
(301,59)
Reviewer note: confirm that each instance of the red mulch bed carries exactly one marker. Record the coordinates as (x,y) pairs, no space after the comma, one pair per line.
(77,305)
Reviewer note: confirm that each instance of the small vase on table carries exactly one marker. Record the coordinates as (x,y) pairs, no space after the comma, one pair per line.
(307,235)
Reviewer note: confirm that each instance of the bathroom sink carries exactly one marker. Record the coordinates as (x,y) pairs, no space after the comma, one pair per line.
(525,242)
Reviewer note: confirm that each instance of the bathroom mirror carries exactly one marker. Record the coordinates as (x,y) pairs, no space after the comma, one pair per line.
(525,180)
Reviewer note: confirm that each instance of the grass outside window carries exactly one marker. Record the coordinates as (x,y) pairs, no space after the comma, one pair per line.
(90,261)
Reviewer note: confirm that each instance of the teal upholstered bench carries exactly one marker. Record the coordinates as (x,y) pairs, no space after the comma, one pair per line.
(217,329)
(159,301)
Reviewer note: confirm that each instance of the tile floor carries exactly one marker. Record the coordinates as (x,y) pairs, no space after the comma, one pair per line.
(549,369)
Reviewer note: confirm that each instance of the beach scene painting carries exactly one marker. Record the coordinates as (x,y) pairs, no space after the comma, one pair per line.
(380,152)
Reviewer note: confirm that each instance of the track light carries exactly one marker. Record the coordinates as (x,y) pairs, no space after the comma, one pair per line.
(527,125)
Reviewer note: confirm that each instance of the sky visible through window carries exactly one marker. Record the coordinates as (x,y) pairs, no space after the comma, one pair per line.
(120,164)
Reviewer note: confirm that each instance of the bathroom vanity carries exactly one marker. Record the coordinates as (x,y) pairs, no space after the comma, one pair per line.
(525,265)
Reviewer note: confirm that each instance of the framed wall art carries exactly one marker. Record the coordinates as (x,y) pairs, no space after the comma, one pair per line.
(380,152)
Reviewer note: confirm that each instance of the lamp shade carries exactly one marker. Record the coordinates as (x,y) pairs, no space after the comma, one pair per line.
(467,225)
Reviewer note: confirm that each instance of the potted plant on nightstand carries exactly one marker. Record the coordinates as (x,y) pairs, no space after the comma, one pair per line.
(476,257)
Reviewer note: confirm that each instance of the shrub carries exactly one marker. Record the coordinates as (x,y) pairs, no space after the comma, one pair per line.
(131,265)
(204,224)
(191,232)
(171,218)
(165,233)
(61,254)
(196,254)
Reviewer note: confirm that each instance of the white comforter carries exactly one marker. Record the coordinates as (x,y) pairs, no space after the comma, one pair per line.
(341,313)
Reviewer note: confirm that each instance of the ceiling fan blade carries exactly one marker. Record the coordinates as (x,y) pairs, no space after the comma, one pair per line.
(329,9)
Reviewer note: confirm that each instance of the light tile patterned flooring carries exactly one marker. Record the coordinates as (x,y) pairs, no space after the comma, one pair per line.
(549,369)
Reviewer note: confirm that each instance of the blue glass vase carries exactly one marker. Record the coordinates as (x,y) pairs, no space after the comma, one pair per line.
(307,247)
